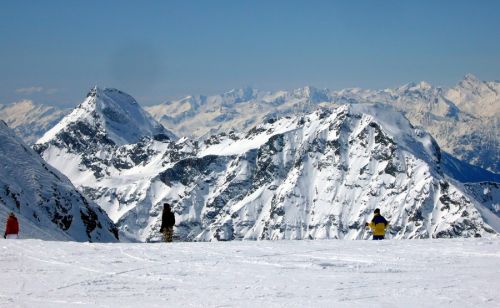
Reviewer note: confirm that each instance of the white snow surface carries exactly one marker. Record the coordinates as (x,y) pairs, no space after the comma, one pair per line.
(329,273)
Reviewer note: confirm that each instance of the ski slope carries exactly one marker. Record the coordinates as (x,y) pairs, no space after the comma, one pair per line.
(329,273)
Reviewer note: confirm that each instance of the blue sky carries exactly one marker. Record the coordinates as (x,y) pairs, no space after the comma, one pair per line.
(54,51)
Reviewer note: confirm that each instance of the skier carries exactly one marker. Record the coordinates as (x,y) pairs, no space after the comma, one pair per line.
(378,224)
(11,228)
(167,223)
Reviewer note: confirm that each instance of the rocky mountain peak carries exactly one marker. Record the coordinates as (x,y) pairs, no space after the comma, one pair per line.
(107,116)
(312,94)
(470,79)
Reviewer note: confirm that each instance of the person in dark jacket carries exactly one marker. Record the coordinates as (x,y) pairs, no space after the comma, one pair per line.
(167,223)
(378,224)
(12,227)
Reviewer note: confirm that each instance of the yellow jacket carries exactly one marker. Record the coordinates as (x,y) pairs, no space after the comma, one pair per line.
(378,225)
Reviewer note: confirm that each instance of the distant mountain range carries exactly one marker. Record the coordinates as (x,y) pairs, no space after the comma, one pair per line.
(297,174)
(463,119)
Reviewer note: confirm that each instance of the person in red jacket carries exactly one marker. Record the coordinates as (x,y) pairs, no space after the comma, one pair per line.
(12,227)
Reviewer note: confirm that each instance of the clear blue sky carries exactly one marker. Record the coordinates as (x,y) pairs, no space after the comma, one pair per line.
(54,51)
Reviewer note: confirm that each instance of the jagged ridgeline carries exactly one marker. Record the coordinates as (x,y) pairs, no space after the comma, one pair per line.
(47,205)
(314,176)
(464,119)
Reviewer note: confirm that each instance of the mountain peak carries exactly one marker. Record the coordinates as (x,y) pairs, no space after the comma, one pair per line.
(93,91)
(313,94)
(416,86)
(241,95)
(469,81)
(112,114)
(470,77)
(424,85)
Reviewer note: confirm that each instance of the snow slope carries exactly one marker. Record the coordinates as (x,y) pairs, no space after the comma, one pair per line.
(314,176)
(47,204)
(410,273)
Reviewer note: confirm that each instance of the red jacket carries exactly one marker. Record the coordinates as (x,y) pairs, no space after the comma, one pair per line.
(12,226)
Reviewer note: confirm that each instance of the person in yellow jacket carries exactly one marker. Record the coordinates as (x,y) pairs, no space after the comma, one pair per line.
(378,224)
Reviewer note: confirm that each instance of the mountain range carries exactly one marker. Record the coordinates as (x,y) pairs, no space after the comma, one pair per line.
(463,119)
(310,175)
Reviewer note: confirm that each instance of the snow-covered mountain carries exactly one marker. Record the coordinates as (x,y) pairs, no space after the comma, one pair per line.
(239,110)
(464,119)
(107,119)
(30,121)
(316,176)
(47,205)
(112,116)
(479,98)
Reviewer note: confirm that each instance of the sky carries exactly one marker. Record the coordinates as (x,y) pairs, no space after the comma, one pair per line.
(53,52)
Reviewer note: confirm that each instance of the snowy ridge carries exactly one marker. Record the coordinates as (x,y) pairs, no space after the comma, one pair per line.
(314,176)
(47,205)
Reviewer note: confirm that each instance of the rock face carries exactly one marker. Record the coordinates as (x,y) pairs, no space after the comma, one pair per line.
(313,176)
(44,200)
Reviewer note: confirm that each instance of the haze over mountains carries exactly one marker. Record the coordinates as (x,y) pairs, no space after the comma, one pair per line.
(463,119)
(312,176)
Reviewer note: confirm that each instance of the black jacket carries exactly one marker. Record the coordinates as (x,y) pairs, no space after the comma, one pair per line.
(167,220)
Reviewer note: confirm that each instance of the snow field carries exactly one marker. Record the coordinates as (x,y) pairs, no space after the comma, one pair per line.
(330,273)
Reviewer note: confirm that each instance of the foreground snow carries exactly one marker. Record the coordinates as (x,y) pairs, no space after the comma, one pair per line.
(416,273)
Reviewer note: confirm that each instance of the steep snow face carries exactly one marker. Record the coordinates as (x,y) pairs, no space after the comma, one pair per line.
(314,176)
(31,121)
(112,115)
(48,206)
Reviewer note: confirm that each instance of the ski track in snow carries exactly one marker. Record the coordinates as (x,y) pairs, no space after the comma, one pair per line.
(392,273)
